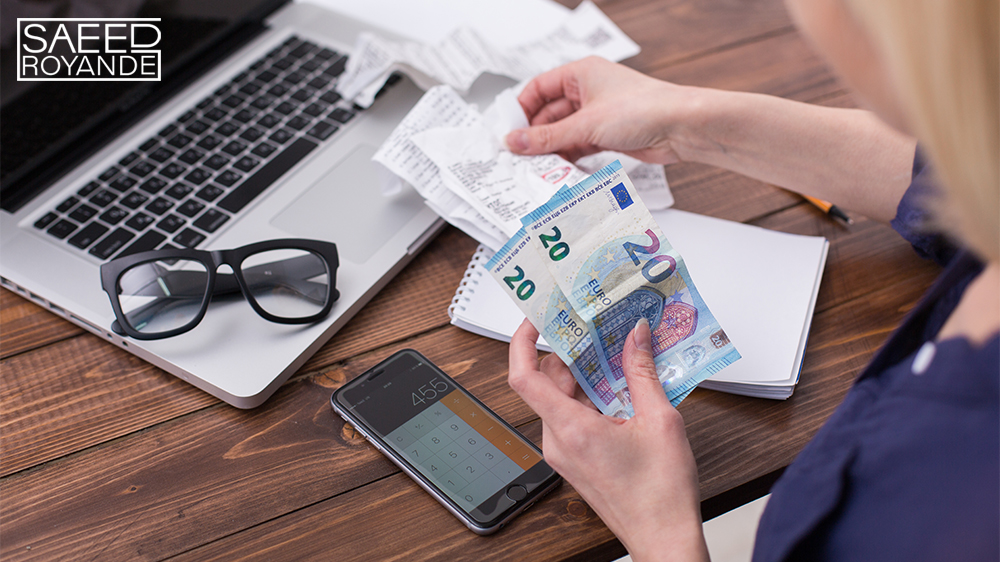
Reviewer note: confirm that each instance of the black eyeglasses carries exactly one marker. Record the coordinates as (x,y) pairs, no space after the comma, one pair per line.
(163,293)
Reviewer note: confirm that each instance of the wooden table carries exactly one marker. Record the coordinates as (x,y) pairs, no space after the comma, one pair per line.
(105,457)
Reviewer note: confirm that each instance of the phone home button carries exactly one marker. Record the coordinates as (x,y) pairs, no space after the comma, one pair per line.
(517,492)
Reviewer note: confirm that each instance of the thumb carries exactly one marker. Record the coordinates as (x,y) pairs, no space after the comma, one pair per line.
(545,139)
(640,371)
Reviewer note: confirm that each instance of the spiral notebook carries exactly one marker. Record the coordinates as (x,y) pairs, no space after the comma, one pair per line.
(760,284)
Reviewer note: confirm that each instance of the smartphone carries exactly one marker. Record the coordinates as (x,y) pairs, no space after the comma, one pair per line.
(478,466)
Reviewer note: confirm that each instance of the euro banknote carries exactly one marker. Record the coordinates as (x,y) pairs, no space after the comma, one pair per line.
(522,272)
(613,263)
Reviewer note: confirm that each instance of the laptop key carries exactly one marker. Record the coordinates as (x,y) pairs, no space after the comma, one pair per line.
(216,161)
(188,115)
(245,115)
(228,128)
(302,94)
(251,134)
(326,54)
(190,208)
(235,147)
(134,200)
(278,90)
(148,145)
(210,142)
(123,183)
(268,121)
(198,176)
(179,191)
(88,189)
(159,206)
(142,169)
(172,170)
(233,101)
(46,220)
(82,214)
(298,122)
(266,175)
(180,140)
(249,88)
(211,220)
(206,102)
(146,242)
(108,174)
(161,154)
(323,130)
(310,65)
(153,186)
(170,223)
(167,131)
(114,215)
(266,76)
(129,158)
(229,178)
(319,82)
(111,243)
(314,109)
(294,77)
(103,198)
(62,229)
(285,108)
(140,221)
(191,156)
(198,127)
(281,136)
(216,113)
(341,114)
(209,193)
(88,235)
(336,68)
(263,150)
(246,163)
(303,49)
(67,204)
(189,238)
(262,102)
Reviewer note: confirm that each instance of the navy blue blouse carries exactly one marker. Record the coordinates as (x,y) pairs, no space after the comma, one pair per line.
(908,466)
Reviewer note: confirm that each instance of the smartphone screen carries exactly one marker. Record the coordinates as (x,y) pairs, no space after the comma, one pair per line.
(463,450)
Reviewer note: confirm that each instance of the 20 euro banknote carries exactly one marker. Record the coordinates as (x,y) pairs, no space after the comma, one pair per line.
(608,255)
(522,273)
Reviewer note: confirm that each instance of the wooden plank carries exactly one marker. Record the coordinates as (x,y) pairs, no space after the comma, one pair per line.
(81,392)
(27,326)
(209,474)
(670,31)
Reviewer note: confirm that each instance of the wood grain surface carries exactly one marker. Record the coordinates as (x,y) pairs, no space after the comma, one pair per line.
(105,457)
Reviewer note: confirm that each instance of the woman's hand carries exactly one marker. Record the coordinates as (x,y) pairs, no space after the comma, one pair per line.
(592,105)
(845,156)
(639,474)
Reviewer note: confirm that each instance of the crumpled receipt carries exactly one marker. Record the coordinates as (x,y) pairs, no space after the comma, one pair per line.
(464,55)
(456,159)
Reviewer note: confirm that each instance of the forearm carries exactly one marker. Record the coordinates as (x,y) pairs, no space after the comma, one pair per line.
(846,156)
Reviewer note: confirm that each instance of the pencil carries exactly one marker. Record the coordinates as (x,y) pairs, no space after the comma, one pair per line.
(830,209)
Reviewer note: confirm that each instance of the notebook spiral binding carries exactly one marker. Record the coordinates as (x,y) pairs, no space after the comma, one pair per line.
(473,273)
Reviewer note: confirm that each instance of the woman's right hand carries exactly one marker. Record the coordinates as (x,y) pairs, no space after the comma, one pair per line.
(592,105)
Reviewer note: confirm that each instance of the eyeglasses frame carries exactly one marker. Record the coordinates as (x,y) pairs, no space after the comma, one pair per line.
(112,271)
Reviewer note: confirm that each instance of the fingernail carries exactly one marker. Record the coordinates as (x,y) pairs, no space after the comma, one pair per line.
(642,337)
(517,141)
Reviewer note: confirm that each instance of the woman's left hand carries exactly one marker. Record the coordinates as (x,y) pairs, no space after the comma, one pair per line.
(639,474)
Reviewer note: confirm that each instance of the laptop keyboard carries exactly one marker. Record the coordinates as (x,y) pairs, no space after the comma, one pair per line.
(185,182)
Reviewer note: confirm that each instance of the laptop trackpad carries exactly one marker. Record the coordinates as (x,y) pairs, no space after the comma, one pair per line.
(346,206)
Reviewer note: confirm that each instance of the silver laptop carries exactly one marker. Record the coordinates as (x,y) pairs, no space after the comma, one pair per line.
(254,146)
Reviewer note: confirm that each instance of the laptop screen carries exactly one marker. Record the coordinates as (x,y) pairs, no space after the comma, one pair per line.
(47,127)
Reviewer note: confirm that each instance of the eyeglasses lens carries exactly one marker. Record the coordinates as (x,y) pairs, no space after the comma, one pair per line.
(287,283)
(160,296)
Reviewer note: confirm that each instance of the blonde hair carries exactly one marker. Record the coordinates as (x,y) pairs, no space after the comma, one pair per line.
(943,56)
